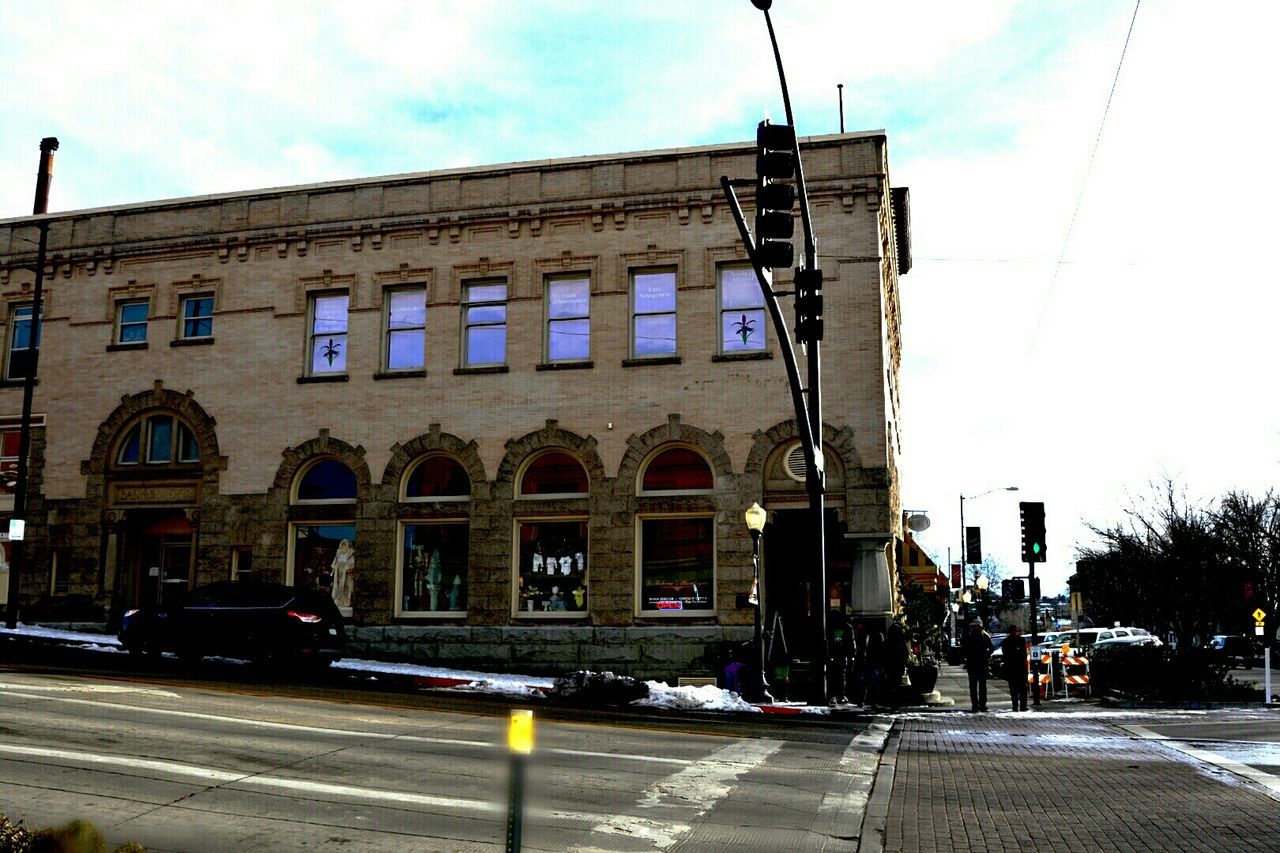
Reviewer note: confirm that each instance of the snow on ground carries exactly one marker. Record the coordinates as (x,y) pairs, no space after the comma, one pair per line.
(704,698)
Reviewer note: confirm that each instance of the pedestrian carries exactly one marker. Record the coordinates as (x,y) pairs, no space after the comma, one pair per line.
(895,661)
(1014,649)
(976,647)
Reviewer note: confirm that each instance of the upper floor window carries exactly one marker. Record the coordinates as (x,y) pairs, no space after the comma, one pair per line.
(484,319)
(742,320)
(653,314)
(568,319)
(437,477)
(554,473)
(197,316)
(326,480)
(677,469)
(328,350)
(406,329)
(131,322)
(158,440)
(22,342)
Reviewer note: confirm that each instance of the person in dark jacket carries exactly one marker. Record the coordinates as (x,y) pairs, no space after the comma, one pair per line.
(976,647)
(1014,649)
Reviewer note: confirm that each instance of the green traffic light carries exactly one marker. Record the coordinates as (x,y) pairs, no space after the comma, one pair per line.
(1035,547)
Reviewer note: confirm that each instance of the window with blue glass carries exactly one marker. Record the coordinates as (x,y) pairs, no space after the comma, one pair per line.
(406,329)
(159,439)
(131,322)
(653,314)
(327,480)
(742,320)
(484,320)
(22,343)
(328,352)
(197,316)
(568,319)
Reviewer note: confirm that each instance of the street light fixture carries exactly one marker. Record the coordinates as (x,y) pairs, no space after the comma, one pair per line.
(964,558)
(756,683)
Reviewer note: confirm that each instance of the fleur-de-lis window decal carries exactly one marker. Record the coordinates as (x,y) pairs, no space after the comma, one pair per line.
(331,351)
(744,328)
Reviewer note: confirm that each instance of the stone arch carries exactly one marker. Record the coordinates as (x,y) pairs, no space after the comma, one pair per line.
(838,440)
(157,399)
(710,444)
(404,455)
(295,458)
(519,449)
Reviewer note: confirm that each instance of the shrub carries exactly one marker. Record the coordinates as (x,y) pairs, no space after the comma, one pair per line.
(1158,674)
(78,836)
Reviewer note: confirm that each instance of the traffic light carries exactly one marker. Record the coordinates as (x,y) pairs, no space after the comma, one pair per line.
(775,161)
(808,305)
(1011,590)
(1035,589)
(1031,515)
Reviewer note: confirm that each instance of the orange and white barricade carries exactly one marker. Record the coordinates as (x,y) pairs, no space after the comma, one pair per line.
(1046,675)
(1075,673)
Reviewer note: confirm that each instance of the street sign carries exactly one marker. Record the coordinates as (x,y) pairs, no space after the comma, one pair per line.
(17,527)
(1259,615)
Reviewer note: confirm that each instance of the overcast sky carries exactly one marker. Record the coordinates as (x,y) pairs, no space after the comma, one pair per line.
(1077,326)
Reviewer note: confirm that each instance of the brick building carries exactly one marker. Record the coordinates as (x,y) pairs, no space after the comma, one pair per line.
(534,399)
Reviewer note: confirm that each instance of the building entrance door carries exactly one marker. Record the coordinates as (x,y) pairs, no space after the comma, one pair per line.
(157,556)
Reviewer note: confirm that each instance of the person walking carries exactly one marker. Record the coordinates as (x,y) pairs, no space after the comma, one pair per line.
(1014,649)
(976,647)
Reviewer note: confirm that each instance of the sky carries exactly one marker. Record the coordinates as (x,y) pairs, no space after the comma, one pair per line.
(1091,305)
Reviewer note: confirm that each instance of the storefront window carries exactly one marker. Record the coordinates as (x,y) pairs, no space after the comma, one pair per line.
(433,568)
(677,565)
(327,480)
(677,469)
(554,473)
(324,558)
(551,576)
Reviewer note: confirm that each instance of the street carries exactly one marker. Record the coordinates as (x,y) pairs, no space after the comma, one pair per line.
(188,766)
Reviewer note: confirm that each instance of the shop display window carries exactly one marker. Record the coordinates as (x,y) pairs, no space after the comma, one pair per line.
(437,478)
(551,570)
(433,568)
(321,560)
(677,565)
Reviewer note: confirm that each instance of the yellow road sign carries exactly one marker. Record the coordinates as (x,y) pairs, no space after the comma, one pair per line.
(520,735)
(1259,615)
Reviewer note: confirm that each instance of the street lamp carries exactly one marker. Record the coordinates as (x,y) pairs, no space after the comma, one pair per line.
(756,683)
(964,557)
(982,582)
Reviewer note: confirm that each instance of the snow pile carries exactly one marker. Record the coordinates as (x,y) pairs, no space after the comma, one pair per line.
(77,637)
(706,697)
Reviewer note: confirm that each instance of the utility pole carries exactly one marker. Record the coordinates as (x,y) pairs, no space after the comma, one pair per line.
(44,177)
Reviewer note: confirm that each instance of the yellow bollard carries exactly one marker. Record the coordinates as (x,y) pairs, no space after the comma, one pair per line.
(520,744)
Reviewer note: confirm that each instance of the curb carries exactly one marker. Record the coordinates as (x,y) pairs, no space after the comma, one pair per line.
(875,818)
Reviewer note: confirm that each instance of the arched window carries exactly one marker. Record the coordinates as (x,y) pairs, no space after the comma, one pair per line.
(677,469)
(554,473)
(326,480)
(437,477)
(159,439)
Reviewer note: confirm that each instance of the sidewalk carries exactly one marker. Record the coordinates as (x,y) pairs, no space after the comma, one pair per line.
(1062,778)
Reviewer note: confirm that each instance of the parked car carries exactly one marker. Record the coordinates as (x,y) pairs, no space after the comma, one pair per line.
(264,622)
(1235,650)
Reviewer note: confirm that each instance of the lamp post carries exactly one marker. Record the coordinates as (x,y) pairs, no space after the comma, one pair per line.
(964,557)
(982,582)
(759,686)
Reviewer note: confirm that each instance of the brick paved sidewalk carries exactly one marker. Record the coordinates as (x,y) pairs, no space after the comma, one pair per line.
(1060,782)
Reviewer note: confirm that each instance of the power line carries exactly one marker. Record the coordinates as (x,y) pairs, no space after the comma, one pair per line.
(1097,142)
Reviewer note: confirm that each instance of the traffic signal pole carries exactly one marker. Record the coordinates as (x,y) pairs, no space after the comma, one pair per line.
(1033,596)
(773,249)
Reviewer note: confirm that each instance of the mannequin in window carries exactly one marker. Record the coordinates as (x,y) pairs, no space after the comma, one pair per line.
(343,565)
(433,578)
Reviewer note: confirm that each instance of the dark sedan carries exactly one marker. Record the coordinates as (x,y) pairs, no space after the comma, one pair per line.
(263,622)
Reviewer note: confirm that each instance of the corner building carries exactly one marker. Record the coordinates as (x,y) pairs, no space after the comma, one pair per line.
(533,400)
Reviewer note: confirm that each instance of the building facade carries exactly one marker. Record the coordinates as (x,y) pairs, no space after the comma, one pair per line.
(509,416)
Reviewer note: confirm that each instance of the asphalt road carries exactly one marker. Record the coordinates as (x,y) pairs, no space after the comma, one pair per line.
(184,764)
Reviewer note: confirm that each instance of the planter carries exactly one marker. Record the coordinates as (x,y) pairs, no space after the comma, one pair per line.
(923,677)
